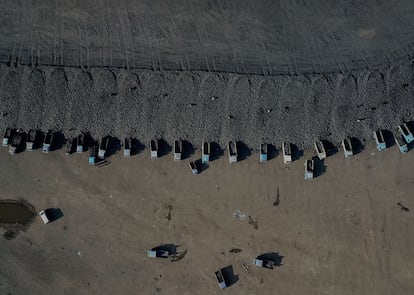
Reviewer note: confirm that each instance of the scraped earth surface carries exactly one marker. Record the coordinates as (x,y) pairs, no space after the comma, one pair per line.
(254,71)
(340,233)
(259,37)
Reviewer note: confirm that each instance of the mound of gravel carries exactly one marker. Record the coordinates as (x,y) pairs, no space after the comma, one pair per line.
(201,106)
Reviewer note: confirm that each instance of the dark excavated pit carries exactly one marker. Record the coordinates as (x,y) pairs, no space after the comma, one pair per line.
(15,215)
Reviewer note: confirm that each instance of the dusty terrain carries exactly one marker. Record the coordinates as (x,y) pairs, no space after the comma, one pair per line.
(258,37)
(341,233)
(252,71)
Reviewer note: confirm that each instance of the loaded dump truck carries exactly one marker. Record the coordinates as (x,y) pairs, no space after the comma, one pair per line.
(287,152)
(347,147)
(205,152)
(232,150)
(263,152)
(320,150)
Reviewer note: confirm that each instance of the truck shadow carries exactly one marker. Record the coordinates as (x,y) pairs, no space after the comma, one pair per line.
(272,256)
(272,152)
(357,145)
(216,151)
(243,151)
(330,148)
(53,214)
(229,277)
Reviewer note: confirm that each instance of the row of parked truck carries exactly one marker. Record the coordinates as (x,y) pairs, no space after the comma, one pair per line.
(18,140)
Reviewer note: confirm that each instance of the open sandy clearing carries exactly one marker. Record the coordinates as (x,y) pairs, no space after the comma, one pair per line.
(341,233)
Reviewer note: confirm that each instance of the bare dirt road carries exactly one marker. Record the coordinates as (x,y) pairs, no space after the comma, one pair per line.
(340,233)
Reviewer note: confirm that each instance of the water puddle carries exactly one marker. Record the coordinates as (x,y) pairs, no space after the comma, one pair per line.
(15,215)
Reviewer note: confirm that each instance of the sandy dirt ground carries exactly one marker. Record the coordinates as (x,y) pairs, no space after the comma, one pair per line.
(258,37)
(340,233)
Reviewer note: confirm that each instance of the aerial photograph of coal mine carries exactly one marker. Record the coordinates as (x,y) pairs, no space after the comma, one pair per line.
(205,147)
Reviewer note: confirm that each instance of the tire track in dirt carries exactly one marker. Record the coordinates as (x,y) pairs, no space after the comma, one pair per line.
(317,109)
(183,114)
(363,14)
(400,92)
(268,111)
(31,99)
(105,91)
(211,97)
(375,95)
(10,96)
(156,109)
(343,112)
(237,115)
(291,123)
(55,107)
(130,105)
(82,101)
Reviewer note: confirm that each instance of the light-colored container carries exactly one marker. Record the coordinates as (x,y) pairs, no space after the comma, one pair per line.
(47,142)
(309,169)
(193,167)
(178,150)
(154,149)
(6,137)
(15,143)
(220,278)
(127,147)
(320,150)
(44,217)
(263,152)
(401,143)
(103,147)
(347,147)
(379,140)
(406,133)
(287,152)
(205,152)
(79,143)
(232,150)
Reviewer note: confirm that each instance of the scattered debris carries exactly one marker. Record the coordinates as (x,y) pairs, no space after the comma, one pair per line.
(168,216)
(235,250)
(245,267)
(255,223)
(9,235)
(179,257)
(402,207)
(239,215)
(277,201)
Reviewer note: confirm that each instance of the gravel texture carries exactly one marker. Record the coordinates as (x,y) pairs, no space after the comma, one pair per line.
(199,106)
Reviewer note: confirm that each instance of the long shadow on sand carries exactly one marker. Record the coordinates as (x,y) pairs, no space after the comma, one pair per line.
(330,148)
(243,151)
(216,151)
(163,148)
(272,152)
(272,256)
(229,277)
(296,152)
(136,147)
(357,145)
